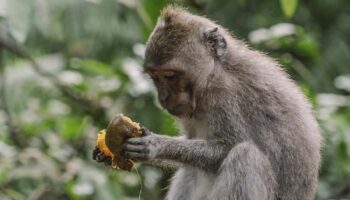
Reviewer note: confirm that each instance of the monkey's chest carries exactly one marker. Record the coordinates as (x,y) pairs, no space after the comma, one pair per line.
(203,183)
(197,129)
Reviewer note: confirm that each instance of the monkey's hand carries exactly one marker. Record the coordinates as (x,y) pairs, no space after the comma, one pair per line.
(142,148)
(99,156)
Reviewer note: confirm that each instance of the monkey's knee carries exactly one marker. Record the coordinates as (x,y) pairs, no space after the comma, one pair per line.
(247,153)
(181,185)
(245,173)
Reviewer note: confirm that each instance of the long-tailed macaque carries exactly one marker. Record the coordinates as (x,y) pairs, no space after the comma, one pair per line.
(248,131)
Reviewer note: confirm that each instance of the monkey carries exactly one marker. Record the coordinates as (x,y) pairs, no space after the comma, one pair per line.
(248,132)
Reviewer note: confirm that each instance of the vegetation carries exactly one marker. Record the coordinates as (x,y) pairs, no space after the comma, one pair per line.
(68,66)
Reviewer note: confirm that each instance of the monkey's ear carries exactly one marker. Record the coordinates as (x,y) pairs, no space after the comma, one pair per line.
(215,41)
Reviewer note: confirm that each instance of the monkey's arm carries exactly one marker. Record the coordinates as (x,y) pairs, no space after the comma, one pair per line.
(165,163)
(203,154)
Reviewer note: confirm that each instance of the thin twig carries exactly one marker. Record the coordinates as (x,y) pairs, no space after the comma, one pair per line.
(342,190)
(13,130)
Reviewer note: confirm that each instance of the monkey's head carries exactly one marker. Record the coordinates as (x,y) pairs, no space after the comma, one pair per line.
(181,56)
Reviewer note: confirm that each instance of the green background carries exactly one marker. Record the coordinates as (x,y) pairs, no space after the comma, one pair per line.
(68,66)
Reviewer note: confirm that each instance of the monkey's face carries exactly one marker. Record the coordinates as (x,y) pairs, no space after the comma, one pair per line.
(175,91)
(181,78)
(180,57)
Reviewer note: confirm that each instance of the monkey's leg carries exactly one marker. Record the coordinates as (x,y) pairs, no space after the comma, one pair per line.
(245,174)
(181,185)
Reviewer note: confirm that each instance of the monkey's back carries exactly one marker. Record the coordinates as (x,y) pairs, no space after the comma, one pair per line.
(280,121)
(298,143)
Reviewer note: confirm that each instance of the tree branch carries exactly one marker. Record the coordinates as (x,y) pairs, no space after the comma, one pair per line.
(93,108)
(13,130)
(342,190)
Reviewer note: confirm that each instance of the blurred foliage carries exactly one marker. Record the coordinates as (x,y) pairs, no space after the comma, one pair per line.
(90,52)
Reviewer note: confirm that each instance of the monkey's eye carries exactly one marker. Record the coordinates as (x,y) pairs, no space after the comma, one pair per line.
(170,77)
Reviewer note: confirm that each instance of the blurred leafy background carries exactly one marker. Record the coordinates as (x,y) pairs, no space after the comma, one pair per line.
(69,66)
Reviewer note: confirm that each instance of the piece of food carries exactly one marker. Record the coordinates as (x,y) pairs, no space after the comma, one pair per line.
(102,144)
(110,141)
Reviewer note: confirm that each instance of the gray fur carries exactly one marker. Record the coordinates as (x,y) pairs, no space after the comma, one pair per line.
(252,134)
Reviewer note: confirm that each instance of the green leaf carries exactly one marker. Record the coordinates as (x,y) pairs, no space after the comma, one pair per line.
(288,7)
(97,68)
(69,190)
(308,46)
(241,2)
(70,127)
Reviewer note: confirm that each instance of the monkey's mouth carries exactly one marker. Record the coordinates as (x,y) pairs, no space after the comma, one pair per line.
(181,110)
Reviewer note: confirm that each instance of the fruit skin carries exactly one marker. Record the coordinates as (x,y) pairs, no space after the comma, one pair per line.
(110,141)
(101,144)
(119,129)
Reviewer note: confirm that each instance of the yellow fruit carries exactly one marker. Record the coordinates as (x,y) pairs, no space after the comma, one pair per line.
(101,144)
(110,141)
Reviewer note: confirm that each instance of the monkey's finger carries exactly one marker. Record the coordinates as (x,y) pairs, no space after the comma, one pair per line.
(108,161)
(101,157)
(95,152)
(145,131)
(135,148)
(135,155)
(135,140)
